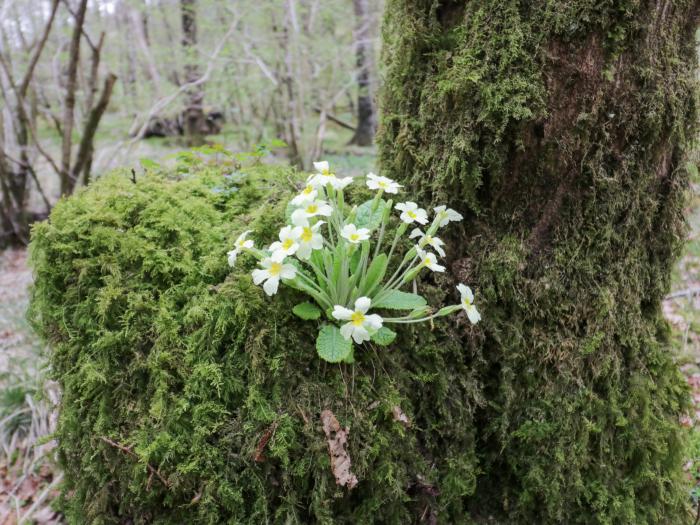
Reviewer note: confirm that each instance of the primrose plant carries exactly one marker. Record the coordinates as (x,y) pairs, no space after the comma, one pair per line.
(347,261)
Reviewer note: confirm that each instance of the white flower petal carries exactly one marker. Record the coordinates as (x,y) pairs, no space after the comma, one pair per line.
(321,166)
(374,321)
(346,330)
(316,242)
(325,210)
(469,295)
(362,304)
(340,184)
(360,334)
(341,313)
(299,217)
(278,256)
(288,271)
(473,315)
(304,251)
(260,275)
(421,216)
(271,285)
(416,232)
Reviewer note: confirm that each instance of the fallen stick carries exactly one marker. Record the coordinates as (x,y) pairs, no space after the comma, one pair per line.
(688,292)
(130,452)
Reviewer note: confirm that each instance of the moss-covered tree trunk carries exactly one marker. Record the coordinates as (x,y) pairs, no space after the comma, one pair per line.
(560,129)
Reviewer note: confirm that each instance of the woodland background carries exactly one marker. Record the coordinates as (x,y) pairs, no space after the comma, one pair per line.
(86,86)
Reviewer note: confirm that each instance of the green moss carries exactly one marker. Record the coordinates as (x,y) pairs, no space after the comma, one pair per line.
(559,129)
(159,347)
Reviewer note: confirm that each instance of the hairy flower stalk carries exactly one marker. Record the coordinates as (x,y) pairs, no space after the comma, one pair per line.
(335,254)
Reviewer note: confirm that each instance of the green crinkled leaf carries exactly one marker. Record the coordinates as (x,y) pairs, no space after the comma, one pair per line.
(375,273)
(331,346)
(384,336)
(397,300)
(307,311)
(365,219)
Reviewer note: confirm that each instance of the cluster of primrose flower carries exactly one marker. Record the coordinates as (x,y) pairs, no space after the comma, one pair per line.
(326,252)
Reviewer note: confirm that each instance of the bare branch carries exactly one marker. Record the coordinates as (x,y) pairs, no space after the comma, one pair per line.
(37,52)
(165,101)
(86,143)
(69,104)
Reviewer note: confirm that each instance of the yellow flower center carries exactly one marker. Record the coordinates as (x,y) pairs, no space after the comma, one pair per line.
(381,184)
(312,208)
(326,173)
(411,214)
(307,234)
(275,269)
(467,302)
(354,236)
(287,244)
(357,318)
(241,243)
(308,190)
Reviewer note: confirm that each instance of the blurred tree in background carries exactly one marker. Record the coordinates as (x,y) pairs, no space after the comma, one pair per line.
(255,71)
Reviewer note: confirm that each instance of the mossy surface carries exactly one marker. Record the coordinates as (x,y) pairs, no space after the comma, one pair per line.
(560,129)
(160,348)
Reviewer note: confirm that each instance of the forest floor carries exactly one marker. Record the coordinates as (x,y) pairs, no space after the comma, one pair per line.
(682,310)
(28,478)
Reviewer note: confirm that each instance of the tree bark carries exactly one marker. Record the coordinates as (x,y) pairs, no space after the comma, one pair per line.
(366,114)
(14,180)
(560,131)
(83,160)
(194,119)
(67,182)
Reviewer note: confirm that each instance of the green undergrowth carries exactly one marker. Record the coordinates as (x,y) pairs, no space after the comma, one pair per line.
(191,397)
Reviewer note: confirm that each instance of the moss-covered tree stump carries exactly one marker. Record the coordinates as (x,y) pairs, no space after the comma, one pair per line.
(191,397)
(559,128)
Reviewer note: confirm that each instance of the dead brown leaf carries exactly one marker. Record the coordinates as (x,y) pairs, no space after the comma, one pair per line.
(400,416)
(259,456)
(337,438)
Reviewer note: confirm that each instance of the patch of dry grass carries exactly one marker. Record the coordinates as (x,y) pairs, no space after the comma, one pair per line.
(28,480)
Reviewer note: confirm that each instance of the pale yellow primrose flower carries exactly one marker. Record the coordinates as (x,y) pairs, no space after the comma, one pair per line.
(288,243)
(308,194)
(361,326)
(310,239)
(325,177)
(312,209)
(375,182)
(467,302)
(352,234)
(271,273)
(429,260)
(412,213)
(445,215)
(428,240)
(241,244)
